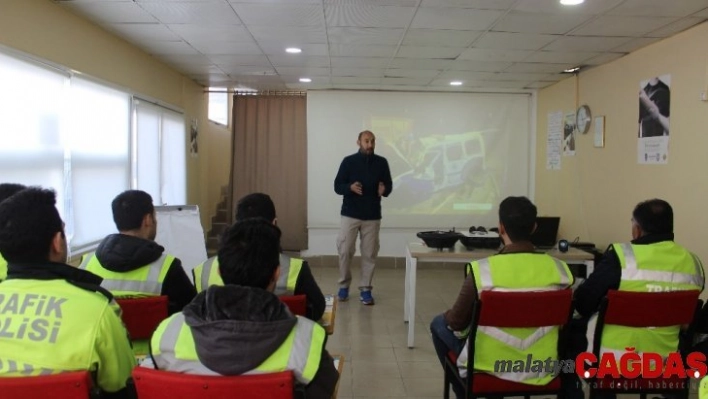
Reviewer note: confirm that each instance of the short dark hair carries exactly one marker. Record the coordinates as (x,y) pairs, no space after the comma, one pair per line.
(29,220)
(249,253)
(256,205)
(518,215)
(8,189)
(365,132)
(654,216)
(129,209)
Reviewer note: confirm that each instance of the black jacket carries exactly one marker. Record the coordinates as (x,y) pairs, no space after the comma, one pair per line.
(306,285)
(606,276)
(124,253)
(236,328)
(369,170)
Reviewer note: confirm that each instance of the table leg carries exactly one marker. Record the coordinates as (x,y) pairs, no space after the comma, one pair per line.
(411,300)
(406,286)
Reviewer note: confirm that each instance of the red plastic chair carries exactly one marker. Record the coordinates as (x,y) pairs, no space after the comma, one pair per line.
(157,384)
(69,385)
(645,309)
(296,303)
(510,309)
(141,316)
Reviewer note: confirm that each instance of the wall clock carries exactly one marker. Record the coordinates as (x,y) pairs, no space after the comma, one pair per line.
(583,118)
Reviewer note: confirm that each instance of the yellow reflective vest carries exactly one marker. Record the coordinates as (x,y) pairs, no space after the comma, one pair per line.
(173,349)
(207,274)
(3,268)
(657,267)
(52,326)
(519,272)
(140,282)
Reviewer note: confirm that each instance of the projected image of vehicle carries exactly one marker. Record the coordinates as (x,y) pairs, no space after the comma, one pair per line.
(440,163)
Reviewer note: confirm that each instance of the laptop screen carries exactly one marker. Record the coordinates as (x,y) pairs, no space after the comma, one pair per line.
(546,231)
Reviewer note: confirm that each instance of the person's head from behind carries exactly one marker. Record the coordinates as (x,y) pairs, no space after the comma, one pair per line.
(517,219)
(31,230)
(654,216)
(8,189)
(134,214)
(256,205)
(249,254)
(366,142)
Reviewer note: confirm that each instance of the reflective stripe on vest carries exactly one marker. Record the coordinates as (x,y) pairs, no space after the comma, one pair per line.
(207,274)
(152,285)
(300,352)
(289,272)
(549,274)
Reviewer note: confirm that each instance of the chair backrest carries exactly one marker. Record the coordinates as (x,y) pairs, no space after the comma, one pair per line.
(157,384)
(524,309)
(649,309)
(296,303)
(141,316)
(70,385)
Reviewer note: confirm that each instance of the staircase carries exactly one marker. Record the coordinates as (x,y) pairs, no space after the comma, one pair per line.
(219,223)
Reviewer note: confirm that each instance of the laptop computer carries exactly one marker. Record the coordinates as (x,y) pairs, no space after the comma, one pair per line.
(546,232)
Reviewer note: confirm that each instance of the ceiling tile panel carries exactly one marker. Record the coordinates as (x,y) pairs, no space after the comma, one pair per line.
(111,12)
(656,8)
(480,54)
(537,67)
(676,27)
(146,32)
(422,63)
(454,18)
(294,34)
(367,72)
(226,48)
(479,66)
(514,41)
(561,57)
(429,52)
(587,43)
(373,36)
(359,62)
(232,33)
(635,44)
(280,15)
(612,25)
(356,50)
(192,13)
(481,4)
(412,73)
(303,71)
(368,16)
(591,7)
(525,22)
(440,37)
(278,47)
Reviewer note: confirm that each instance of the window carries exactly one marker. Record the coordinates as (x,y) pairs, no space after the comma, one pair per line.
(160,153)
(219,106)
(74,135)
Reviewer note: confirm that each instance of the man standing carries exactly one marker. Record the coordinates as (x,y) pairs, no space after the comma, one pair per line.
(362,180)
(131,263)
(56,317)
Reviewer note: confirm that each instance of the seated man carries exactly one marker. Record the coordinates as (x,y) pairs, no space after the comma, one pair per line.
(624,267)
(6,190)
(131,263)
(295,274)
(56,317)
(242,328)
(516,268)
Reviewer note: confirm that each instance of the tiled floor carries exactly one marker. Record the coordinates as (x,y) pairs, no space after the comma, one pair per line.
(373,339)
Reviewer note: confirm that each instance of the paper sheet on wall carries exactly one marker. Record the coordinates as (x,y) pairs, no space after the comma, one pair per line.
(554,141)
(180,231)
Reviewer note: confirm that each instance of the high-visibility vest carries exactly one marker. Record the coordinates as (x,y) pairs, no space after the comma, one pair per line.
(140,282)
(703,388)
(52,326)
(3,268)
(662,266)
(207,274)
(173,349)
(494,347)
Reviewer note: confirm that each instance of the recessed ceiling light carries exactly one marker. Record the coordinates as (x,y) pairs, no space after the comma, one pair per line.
(305,80)
(455,83)
(571,2)
(293,50)
(572,70)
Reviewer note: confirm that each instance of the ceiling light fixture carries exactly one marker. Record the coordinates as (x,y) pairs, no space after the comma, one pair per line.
(572,70)
(293,50)
(455,83)
(571,2)
(305,80)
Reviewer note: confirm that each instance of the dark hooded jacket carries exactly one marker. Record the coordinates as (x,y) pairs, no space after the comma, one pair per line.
(237,328)
(123,253)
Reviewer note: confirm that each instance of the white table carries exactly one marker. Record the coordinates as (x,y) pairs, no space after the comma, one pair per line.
(418,252)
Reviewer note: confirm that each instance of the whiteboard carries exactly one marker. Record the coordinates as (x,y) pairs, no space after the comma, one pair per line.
(180,231)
